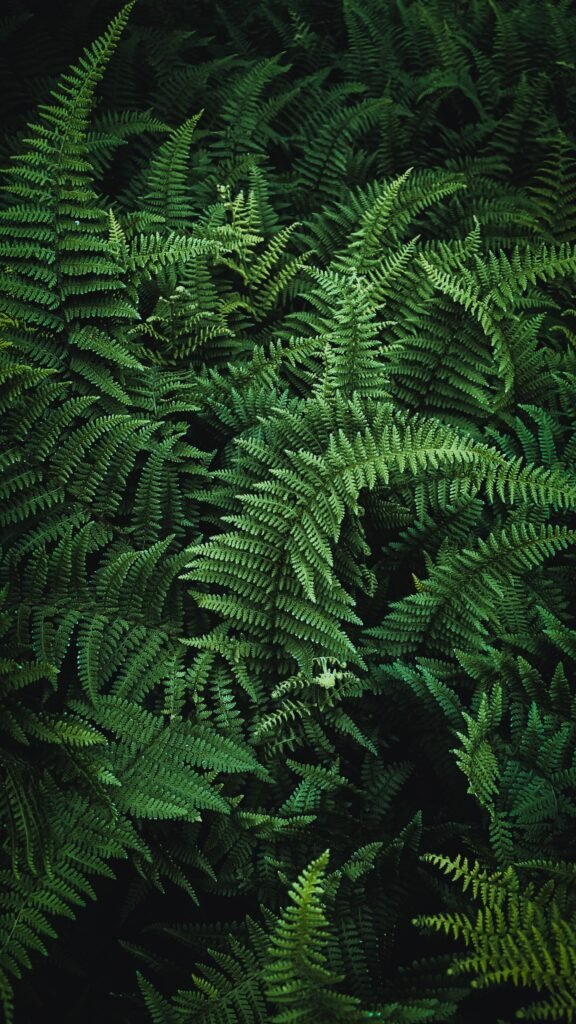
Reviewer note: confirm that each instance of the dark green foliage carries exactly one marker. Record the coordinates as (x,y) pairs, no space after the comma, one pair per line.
(288,482)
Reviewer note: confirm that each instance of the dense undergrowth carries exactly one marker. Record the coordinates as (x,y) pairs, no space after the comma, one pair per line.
(288,513)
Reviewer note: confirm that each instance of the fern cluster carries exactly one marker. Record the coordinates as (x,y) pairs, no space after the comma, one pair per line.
(288,482)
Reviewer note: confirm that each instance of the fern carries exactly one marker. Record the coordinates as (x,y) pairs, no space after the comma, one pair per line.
(297,977)
(287,476)
(56,266)
(518,936)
